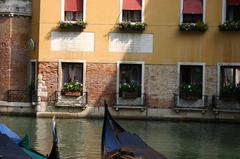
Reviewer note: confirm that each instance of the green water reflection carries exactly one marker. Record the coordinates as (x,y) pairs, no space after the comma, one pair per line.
(81,138)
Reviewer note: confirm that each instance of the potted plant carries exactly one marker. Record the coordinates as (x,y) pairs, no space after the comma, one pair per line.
(130,89)
(230,26)
(192,91)
(230,92)
(132,27)
(79,25)
(193,27)
(72,88)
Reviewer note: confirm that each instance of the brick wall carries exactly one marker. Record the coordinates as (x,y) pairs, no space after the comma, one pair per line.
(4,56)
(14,35)
(49,72)
(160,82)
(19,52)
(211,80)
(100,82)
(160,85)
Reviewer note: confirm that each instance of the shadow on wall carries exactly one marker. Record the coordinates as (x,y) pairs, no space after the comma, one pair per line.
(14,57)
(102,78)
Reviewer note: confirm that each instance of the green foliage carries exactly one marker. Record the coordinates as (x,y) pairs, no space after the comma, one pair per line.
(193,89)
(193,27)
(129,26)
(73,86)
(230,90)
(132,86)
(230,26)
(78,25)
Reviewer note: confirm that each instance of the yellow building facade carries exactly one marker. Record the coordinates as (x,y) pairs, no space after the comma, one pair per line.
(161,60)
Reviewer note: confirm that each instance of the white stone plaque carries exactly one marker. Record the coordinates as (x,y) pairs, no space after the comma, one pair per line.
(130,42)
(72,41)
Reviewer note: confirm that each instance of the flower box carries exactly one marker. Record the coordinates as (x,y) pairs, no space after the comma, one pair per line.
(193,27)
(72,93)
(77,26)
(129,95)
(192,91)
(230,92)
(228,98)
(230,26)
(132,27)
(130,90)
(73,89)
(190,97)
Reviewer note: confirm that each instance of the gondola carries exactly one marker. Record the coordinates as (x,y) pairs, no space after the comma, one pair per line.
(117,143)
(13,147)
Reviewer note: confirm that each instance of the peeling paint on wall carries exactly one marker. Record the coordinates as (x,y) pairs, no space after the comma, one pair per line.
(18,7)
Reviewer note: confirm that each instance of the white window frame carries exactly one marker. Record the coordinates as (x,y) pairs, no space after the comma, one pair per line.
(60,72)
(203,15)
(192,64)
(63,10)
(118,77)
(142,11)
(224,11)
(219,65)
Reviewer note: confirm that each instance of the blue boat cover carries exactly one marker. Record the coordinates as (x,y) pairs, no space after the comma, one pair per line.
(119,143)
(33,154)
(24,144)
(9,150)
(110,140)
(126,138)
(12,135)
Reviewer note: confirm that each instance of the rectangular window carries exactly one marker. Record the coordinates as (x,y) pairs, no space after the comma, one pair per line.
(73,10)
(233,10)
(132,11)
(32,85)
(192,11)
(131,74)
(72,72)
(191,80)
(230,75)
(33,71)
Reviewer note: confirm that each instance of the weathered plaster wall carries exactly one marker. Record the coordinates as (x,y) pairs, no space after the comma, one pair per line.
(18,7)
(160,85)
(14,54)
(4,56)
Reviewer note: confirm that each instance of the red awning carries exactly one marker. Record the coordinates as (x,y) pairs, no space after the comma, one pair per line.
(132,4)
(74,5)
(193,7)
(233,2)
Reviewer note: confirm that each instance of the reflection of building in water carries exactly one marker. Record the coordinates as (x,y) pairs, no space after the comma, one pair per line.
(43,133)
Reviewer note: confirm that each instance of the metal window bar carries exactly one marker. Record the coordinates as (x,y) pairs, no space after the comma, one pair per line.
(59,99)
(191,103)
(21,96)
(225,103)
(139,101)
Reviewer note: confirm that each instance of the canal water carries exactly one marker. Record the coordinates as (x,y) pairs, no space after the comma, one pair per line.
(81,138)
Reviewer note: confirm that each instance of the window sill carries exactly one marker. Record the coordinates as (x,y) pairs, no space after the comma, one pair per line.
(193,27)
(141,108)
